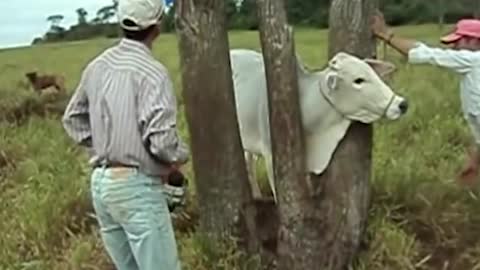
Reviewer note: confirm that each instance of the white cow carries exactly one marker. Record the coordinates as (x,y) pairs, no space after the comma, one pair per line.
(347,90)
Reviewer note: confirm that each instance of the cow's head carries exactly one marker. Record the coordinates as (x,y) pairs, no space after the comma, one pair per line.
(355,89)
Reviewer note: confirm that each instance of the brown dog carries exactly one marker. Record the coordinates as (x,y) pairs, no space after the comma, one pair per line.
(40,83)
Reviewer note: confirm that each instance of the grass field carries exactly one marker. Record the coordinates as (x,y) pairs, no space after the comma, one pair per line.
(420,219)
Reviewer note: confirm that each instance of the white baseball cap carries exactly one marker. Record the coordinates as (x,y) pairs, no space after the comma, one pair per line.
(136,15)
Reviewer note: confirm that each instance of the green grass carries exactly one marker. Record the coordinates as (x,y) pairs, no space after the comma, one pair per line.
(420,219)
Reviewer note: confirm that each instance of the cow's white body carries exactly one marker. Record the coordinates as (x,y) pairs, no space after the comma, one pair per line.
(324,126)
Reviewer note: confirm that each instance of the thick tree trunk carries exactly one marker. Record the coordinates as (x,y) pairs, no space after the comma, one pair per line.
(342,192)
(224,195)
(321,221)
(298,238)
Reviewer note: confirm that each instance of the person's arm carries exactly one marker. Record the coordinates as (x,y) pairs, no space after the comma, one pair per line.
(402,45)
(418,53)
(460,61)
(158,123)
(76,120)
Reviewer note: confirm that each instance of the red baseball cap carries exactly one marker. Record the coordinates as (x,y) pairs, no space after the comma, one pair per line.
(464,28)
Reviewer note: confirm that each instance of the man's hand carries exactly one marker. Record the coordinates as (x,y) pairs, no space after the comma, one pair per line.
(382,31)
(175,190)
(175,167)
(379,26)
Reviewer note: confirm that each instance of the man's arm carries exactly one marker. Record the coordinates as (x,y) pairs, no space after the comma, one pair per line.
(158,123)
(76,120)
(402,45)
(460,61)
(418,53)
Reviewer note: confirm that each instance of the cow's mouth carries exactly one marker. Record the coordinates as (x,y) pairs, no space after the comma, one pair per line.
(389,104)
(397,107)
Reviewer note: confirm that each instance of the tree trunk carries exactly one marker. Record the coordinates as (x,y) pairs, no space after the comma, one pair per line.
(441,14)
(224,196)
(298,236)
(343,190)
(321,220)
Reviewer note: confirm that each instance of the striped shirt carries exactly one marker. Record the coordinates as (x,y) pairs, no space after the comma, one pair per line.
(466,63)
(124,109)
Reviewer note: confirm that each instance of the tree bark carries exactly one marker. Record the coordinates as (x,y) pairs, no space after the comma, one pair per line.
(441,14)
(224,196)
(295,242)
(322,220)
(342,192)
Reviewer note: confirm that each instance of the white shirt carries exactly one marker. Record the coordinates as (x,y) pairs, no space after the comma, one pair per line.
(125,109)
(464,62)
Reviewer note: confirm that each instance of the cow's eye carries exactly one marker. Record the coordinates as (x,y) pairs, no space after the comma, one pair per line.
(359,80)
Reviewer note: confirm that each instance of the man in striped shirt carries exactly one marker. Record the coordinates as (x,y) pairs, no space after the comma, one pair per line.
(124,111)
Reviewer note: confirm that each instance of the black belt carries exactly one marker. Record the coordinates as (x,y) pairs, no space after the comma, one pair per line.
(116,165)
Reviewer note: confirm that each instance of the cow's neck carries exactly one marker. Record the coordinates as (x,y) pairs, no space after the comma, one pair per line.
(317,112)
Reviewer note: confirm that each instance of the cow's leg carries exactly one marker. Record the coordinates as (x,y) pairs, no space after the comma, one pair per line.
(251,169)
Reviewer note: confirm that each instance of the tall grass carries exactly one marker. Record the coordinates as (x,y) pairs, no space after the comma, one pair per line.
(420,219)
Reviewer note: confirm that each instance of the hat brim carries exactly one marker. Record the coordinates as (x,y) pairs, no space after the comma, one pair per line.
(450,38)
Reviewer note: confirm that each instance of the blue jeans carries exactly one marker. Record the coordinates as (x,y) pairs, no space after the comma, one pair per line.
(134,220)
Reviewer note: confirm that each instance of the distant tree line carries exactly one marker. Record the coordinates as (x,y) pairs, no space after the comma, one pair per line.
(241,14)
(314,13)
(101,25)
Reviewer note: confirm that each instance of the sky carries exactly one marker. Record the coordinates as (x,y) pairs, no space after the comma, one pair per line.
(23,20)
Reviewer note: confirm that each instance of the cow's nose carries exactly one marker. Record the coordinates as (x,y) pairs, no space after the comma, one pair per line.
(403,106)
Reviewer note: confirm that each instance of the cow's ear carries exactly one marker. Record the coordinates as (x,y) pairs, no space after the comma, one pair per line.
(337,59)
(383,68)
(333,64)
(331,81)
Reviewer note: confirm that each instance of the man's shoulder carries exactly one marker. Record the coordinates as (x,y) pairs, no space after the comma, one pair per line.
(107,53)
(473,56)
(156,65)
(99,58)
(476,57)
(160,71)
